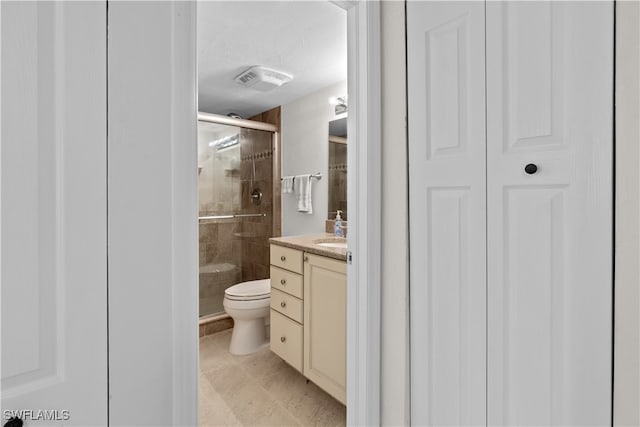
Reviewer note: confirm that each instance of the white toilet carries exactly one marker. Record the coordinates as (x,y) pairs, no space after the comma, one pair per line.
(248,304)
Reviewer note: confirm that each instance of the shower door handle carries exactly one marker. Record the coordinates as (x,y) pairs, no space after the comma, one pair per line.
(230,216)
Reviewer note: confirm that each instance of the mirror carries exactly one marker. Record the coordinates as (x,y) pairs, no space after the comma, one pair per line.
(338,167)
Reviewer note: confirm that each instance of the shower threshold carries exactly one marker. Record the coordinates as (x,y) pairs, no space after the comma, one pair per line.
(212,318)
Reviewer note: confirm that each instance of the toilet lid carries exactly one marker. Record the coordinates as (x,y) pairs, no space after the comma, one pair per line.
(255,289)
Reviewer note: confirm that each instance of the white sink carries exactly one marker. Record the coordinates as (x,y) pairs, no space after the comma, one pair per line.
(341,245)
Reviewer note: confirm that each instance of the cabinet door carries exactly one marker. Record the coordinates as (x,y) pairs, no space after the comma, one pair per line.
(447,203)
(325,327)
(549,103)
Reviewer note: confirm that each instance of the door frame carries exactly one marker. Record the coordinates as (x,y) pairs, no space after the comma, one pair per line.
(364,187)
(168,97)
(626,331)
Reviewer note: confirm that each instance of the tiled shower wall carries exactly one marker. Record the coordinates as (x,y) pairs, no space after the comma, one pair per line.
(256,149)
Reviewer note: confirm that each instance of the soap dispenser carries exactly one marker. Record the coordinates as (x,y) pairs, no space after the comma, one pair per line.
(337,225)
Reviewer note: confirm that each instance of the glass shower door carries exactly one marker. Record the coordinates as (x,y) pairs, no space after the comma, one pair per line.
(235,178)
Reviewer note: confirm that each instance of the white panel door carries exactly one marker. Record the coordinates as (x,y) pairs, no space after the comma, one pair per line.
(445,44)
(549,104)
(53,213)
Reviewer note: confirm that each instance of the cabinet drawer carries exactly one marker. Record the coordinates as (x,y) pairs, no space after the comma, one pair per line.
(287,258)
(286,304)
(286,339)
(286,281)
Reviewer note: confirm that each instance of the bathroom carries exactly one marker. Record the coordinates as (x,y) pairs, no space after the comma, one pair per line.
(254,142)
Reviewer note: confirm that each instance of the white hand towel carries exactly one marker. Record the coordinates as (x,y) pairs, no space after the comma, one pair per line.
(287,184)
(303,193)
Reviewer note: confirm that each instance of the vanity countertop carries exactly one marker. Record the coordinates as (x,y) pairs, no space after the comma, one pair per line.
(309,243)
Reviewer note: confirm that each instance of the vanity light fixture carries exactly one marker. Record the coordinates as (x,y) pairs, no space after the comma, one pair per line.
(340,104)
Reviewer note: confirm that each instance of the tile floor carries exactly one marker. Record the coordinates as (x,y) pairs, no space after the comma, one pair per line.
(258,390)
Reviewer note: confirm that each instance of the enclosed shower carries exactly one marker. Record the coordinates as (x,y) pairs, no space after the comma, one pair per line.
(236,164)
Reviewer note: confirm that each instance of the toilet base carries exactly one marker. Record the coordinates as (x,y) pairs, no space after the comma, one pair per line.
(248,336)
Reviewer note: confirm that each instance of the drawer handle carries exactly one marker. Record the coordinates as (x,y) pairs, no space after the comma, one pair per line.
(306,259)
(283,282)
(283,304)
(283,339)
(283,258)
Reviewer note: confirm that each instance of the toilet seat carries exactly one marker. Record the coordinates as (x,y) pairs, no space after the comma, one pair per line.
(249,291)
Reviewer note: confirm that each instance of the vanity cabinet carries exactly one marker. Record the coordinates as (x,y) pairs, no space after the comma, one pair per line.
(308,316)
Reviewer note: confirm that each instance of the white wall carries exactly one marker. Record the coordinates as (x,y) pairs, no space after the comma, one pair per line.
(305,133)
(395,223)
(152,214)
(627,283)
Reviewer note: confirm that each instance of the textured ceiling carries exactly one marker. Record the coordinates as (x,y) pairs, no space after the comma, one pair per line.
(306,39)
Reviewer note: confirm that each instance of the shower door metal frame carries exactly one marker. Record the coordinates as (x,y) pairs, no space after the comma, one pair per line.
(254,125)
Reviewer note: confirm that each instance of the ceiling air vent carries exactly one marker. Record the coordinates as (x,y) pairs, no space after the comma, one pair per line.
(262,78)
